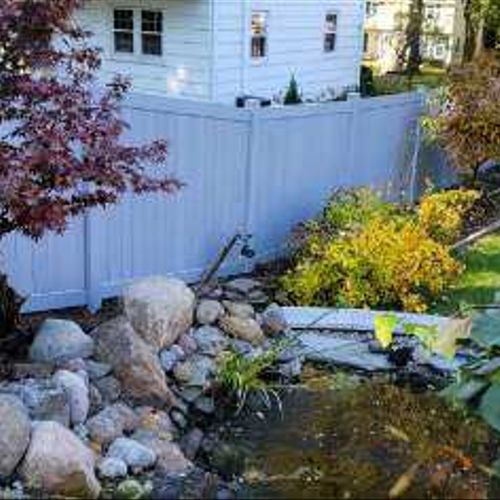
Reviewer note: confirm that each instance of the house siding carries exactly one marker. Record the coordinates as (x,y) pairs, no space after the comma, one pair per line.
(184,69)
(295,45)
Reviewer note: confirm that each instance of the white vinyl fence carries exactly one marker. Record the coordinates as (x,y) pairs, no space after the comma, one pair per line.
(250,171)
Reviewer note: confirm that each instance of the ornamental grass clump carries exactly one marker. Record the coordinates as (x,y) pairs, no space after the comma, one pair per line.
(363,252)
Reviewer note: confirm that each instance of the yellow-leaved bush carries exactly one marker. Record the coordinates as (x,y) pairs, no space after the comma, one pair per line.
(390,260)
(441,214)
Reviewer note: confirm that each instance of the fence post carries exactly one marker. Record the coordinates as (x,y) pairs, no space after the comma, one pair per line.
(355,99)
(91,276)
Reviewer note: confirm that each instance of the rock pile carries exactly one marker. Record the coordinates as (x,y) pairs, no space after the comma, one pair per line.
(98,408)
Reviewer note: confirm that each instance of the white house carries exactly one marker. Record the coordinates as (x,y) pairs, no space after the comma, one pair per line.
(443,31)
(220,49)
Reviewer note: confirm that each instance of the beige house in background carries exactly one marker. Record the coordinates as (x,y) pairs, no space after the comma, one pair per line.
(444,31)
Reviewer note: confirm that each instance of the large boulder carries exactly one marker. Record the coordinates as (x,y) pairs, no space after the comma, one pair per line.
(44,399)
(134,362)
(160,309)
(15,430)
(78,394)
(60,340)
(58,463)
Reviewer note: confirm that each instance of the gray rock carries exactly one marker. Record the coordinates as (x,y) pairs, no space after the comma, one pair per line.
(15,431)
(134,454)
(190,394)
(112,468)
(109,388)
(96,400)
(187,343)
(203,367)
(208,312)
(191,442)
(130,489)
(111,422)
(326,348)
(178,418)
(170,357)
(60,340)
(205,404)
(183,372)
(241,346)
(239,309)
(19,371)
(58,463)
(97,370)
(243,285)
(274,320)
(170,458)
(244,329)
(78,395)
(135,363)
(157,421)
(44,399)
(291,369)
(160,309)
(210,340)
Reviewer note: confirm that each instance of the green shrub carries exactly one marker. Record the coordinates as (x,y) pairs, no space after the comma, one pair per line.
(363,252)
(292,95)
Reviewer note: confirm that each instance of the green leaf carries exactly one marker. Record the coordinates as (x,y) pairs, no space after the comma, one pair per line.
(384,328)
(448,335)
(486,328)
(489,408)
(426,334)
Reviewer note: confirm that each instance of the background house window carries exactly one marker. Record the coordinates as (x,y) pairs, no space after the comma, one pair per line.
(371,8)
(330,31)
(124,31)
(259,35)
(152,29)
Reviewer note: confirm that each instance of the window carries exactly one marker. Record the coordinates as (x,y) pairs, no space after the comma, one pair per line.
(371,9)
(138,31)
(366,42)
(124,31)
(152,28)
(259,35)
(330,40)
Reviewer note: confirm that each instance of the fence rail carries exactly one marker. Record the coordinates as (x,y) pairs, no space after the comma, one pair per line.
(251,171)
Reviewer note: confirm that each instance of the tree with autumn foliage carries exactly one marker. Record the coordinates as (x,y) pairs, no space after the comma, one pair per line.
(61,151)
(466,123)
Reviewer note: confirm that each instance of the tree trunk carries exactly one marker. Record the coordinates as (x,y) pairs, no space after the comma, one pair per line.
(414,36)
(10,313)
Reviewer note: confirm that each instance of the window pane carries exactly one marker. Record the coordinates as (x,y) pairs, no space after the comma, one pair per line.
(124,42)
(152,21)
(331,22)
(258,47)
(330,39)
(259,23)
(151,45)
(124,20)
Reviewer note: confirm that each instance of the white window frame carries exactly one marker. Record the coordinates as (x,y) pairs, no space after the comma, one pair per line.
(152,33)
(137,55)
(328,32)
(265,36)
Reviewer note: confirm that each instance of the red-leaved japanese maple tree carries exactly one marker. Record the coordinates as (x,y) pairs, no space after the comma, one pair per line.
(61,151)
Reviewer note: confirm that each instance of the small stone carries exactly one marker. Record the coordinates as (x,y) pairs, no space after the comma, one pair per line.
(208,312)
(78,395)
(190,394)
(60,340)
(202,369)
(273,320)
(187,343)
(111,422)
(191,442)
(292,369)
(241,346)
(96,401)
(257,297)
(44,399)
(97,370)
(59,464)
(205,404)
(109,388)
(155,420)
(133,453)
(178,418)
(243,285)
(183,372)
(112,468)
(15,431)
(130,490)
(210,340)
(170,357)
(239,309)
(244,329)
(160,309)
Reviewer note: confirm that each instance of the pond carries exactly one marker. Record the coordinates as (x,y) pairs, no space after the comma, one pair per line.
(341,438)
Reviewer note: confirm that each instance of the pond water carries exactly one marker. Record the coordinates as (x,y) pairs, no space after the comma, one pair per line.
(359,440)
